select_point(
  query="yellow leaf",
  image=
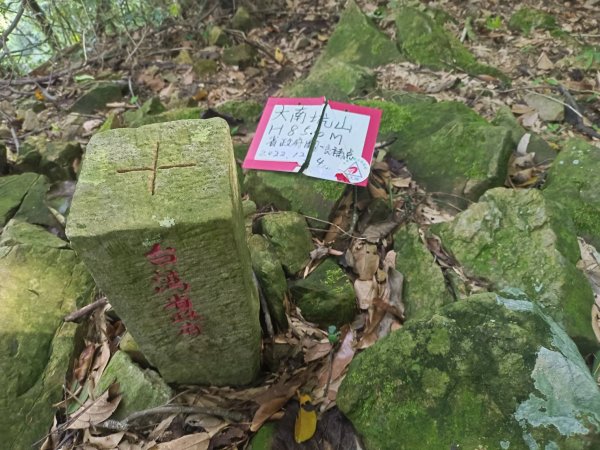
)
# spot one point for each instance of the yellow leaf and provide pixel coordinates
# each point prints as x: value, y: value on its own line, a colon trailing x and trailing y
x: 39, y: 95
x: 306, y: 421
x: 279, y: 57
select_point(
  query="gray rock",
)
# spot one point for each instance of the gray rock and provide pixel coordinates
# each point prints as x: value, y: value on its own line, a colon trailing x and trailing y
x: 242, y: 55
x: 13, y: 189
x: 488, y: 372
x: 97, y: 96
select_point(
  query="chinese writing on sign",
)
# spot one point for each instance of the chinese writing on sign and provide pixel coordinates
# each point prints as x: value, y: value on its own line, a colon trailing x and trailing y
x: 289, y: 133
x: 167, y: 282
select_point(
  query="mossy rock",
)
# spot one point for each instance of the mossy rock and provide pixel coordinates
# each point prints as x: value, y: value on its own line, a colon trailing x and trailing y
x: 13, y: 189
x: 448, y: 147
x: 527, y: 19
x: 136, y: 118
x: 517, y: 238
x: 423, y: 41
x: 488, y: 372
x: 55, y: 159
x: 242, y: 20
x: 97, y: 96
x: 400, y: 97
x: 356, y: 40
x: 39, y: 285
x: 543, y: 151
x: 424, y: 290
x: 271, y: 277
x: 217, y: 36
x: 247, y: 111
x: 288, y: 233
x: 141, y: 388
x: 205, y: 67
x: 336, y: 80
x: 293, y: 192
x: 326, y: 297
x: 35, y: 206
x: 112, y: 121
x: 572, y: 184
x: 242, y: 55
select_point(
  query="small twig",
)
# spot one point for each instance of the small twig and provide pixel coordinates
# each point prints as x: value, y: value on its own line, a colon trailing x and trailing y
x: 126, y: 424
x: 566, y: 105
x: 86, y: 310
x: 15, y: 139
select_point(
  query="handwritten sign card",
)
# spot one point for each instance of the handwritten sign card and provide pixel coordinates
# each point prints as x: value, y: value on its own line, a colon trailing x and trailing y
x: 342, y: 138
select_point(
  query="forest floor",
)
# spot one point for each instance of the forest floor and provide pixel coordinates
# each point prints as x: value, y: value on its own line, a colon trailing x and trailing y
x: 288, y: 41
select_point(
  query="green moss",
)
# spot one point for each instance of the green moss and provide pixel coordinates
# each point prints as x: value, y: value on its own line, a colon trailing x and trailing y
x: 425, y: 42
x: 527, y: 19
x: 466, y: 398
x: 356, y: 40
x: 328, y: 189
x: 336, y: 80
x: 394, y: 117
x: 246, y: 110
x: 439, y: 344
x: 326, y: 296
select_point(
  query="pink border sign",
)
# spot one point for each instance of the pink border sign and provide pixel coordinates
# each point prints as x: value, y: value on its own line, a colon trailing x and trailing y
x: 250, y: 162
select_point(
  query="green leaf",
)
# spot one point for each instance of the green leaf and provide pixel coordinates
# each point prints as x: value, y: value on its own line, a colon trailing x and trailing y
x: 83, y: 77
x: 174, y: 10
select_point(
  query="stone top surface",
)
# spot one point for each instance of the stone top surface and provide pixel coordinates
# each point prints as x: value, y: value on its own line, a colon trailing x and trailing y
x: 167, y: 172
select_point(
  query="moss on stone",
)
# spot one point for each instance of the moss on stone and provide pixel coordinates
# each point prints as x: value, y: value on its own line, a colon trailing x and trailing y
x: 13, y: 189
x: 97, y: 96
x: 291, y: 239
x: 271, y: 277
x: 571, y: 186
x: 248, y: 111
x: 294, y: 192
x: 335, y: 79
x: 527, y: 19
x: 421, y: 40
x: 515, y: 238
x: 326, y: 296
x: 465, y: 398
x: 424, y: 289
x: 141, y: 388
x: 356, y: 40
x: 136, y: 118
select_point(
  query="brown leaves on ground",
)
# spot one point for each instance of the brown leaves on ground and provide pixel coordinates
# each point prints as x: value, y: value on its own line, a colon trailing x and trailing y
x: 95, y: 411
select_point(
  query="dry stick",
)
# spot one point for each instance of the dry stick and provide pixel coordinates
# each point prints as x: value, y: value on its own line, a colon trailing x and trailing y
x: 86, y: 310
x: 125, y: 424
x: 15, y: 139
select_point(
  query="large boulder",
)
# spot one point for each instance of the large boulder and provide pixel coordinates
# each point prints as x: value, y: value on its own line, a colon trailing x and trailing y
x: 40, y: 282
x: 573, y: 183
x: 516, y: 238
x: 488, y: 372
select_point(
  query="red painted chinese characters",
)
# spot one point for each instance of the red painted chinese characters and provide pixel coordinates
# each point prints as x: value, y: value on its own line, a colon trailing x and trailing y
x: 166, y: 280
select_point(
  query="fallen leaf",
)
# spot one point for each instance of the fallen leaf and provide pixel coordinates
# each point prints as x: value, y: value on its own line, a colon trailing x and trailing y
x: 316, y: 350
x: 544, y: 63
x: 103, y: 442
x: 523, y: 144
x: 95, y: 411
x: 279, y: 57
x: 197, y: 441
x: 363, y: 258
x: 341, y: 360
x: 519, y: 108
x: 273, y: 400
x: 84, y: 362
x: 365, y: 291
x: 160, y: 429
x: 306, y: 420
x: 91, y: 124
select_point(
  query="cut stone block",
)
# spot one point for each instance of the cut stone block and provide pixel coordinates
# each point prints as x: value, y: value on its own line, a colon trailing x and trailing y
x: 157, y: 218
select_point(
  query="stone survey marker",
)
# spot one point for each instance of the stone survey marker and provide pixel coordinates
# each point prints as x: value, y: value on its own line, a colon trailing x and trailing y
x: 157, y: 219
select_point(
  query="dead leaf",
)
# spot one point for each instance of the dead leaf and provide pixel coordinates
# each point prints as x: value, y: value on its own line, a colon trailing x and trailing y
x: 160, y: 429
x: 84, y: 362
x: 103, y: 442
x: 529, y: 119
x: 92, y: 124
x: 341, y: 360
x: 93, y: 412
x: 366, y: 291
x: 273, y: 400
x: 363, y: 258
x: 544, y: 63
x: 316, y: 350
x: 197, y: 441
x: 279, y: 56
x: 523, y: 144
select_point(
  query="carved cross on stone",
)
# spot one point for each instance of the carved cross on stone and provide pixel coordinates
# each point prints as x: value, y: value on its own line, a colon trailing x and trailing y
x: 154, y: 168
